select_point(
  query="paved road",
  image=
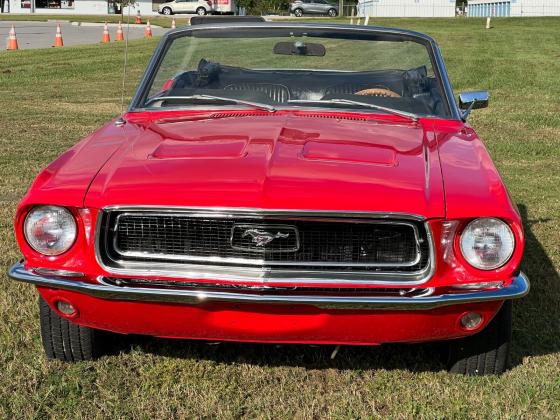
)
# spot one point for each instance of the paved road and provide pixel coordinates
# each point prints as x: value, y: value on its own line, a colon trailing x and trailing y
x: 41, y: 34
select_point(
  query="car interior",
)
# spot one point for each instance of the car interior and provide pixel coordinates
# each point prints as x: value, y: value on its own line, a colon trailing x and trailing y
x: 410, y: 90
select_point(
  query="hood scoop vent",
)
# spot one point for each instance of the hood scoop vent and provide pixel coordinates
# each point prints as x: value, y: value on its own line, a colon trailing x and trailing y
x: 232, y: 148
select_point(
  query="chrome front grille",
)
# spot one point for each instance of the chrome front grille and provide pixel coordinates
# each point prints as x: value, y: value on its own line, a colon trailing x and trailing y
x: 265, y: 244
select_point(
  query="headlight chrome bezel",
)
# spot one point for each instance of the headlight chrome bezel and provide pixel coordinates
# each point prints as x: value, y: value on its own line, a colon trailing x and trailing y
x: 66, y: 220
x: 501, y: 230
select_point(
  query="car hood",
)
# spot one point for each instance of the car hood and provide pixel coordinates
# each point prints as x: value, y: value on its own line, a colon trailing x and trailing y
x: 275, y: 161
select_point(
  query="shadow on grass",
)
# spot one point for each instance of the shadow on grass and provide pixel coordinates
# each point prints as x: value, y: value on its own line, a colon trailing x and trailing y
x: 536, y: 332
x: 414, y: 358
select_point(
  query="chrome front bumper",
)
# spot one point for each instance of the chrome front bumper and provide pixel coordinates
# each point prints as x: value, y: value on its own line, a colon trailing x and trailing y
x: 517, y: 289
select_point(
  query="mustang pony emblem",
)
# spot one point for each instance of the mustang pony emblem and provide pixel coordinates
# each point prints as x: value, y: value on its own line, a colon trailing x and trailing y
x: 262, y: 237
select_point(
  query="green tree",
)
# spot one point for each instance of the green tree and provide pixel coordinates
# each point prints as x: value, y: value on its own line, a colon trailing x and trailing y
x: 261, y: 7
x: 123, y: 4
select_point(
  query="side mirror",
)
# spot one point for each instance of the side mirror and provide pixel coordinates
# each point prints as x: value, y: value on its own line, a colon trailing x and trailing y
x: 472, y: 100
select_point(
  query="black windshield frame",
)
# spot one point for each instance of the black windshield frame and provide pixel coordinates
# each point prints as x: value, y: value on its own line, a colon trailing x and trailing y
x: 243, y: 30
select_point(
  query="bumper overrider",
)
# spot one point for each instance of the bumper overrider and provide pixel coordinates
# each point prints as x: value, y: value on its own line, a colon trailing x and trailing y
x: 518, y: 288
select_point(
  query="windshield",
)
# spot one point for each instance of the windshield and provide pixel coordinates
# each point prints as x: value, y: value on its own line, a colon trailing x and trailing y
x: 274, y: 68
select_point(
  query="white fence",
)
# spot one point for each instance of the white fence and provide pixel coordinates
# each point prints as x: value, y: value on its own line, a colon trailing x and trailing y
x: 406, y: 8
x: 514, y: 8
x: 449, y: 8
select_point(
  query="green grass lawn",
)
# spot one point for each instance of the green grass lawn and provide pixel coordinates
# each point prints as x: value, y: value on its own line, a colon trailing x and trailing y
x: 50, y: 98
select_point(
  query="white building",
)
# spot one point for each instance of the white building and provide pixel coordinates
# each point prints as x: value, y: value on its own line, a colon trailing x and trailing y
x: 407, y: 8
x: 516, y: 8
x: 81, y: 7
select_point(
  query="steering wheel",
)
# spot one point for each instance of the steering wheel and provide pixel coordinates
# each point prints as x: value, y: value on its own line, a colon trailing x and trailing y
x: 378, y: 92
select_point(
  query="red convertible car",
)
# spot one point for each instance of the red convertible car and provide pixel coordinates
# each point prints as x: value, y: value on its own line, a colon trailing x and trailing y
x: 283, y: 183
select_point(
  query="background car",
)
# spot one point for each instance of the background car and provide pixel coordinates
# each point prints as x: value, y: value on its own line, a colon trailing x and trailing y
x: 224, y: 7
x: 200, y: 7
x: 313, y: 7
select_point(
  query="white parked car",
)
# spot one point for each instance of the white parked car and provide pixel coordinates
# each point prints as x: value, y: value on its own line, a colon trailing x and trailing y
x: 200, y: 7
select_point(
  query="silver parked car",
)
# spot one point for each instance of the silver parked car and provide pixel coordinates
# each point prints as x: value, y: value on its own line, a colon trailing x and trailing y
x: 313, y: 7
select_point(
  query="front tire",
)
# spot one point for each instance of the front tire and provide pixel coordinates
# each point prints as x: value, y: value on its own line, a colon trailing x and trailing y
x: 66, y: 341
x: 201, y: 11
x: 332, y: 13
x: 167, y: 11
x: 298, y: 13
x: 485, y: 353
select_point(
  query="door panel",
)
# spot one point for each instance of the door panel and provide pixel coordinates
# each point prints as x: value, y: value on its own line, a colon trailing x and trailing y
x: 180, y: 6
x: 193, y: 5
x: 314, y: 7
x: 320, y: 6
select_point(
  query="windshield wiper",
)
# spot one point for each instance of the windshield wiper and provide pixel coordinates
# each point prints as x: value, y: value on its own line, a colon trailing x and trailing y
x: 404, y: 114
x: 210, y: 98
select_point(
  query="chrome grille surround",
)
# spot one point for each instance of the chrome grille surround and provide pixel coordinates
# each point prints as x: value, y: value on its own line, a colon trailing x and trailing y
x: 243, y: 270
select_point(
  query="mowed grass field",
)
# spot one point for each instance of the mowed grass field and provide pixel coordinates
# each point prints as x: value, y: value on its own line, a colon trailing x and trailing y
x: 51, y: 98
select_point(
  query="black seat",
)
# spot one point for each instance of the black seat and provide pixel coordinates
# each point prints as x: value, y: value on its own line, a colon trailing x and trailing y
x: 277, y: 93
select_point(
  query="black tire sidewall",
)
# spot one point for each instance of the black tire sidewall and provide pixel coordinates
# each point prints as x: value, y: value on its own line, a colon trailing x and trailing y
x: 67, y: 341
x: 487, y: 351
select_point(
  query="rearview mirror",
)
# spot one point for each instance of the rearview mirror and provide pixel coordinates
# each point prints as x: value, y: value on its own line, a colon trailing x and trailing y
x: 300, y: 48
x: 472, y: 100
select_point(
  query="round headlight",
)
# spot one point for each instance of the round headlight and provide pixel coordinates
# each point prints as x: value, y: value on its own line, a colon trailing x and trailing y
x: 487, y: 243
x: 50, y: 230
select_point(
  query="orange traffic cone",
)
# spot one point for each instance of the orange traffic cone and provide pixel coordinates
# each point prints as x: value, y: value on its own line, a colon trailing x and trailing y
x: 58, y: 37
x: 120, y: 35
x: 106, y: 36
x: 138, y: 18
x: 148, y: 30
x: 12, y: 40
x: 173, y: 25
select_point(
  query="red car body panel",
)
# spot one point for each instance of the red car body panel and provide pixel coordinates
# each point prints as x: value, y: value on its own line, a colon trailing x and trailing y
x: 436, y: 169
x: 271, y: 323
x: 66, y: 180
x: 284, y: 160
